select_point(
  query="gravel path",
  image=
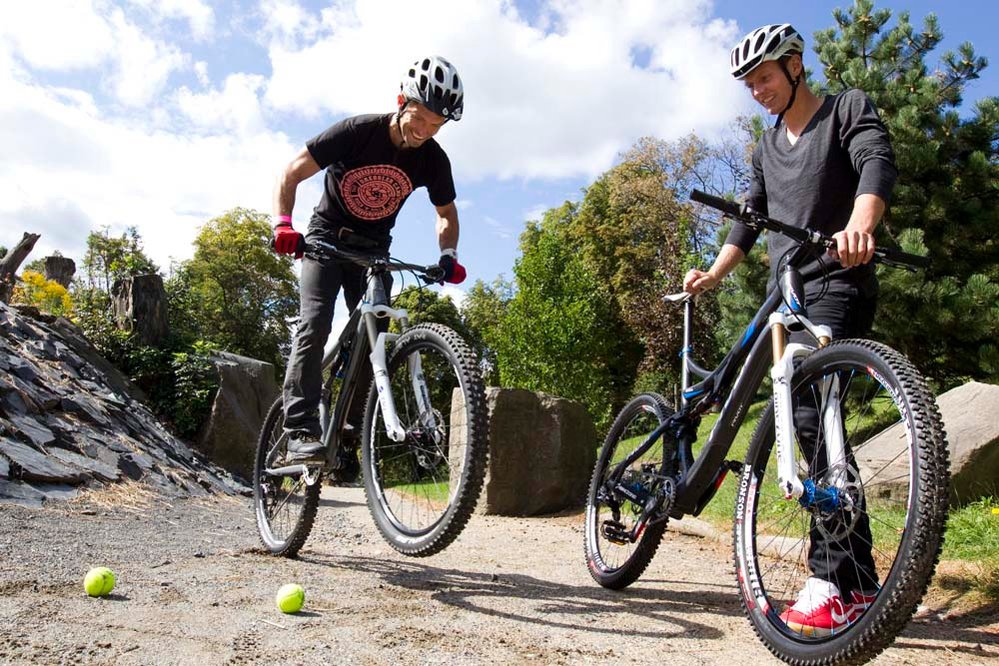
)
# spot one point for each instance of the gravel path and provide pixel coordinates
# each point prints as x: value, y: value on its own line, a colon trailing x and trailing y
x: 194, y: 588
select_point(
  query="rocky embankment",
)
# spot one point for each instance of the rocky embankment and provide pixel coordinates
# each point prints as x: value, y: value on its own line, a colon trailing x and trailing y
x: 70, y: 420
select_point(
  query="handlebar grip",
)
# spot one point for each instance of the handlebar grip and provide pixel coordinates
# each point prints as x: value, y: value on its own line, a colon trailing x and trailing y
x: 301, y: 246
x: 724, y: 205
x: 892, y: 255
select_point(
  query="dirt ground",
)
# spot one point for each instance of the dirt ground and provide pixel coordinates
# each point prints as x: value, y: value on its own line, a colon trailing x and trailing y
x: 194, y: 588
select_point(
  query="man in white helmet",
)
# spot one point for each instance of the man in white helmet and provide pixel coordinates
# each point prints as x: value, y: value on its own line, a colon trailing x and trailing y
x: 827, y: 164
x: 372, y: 163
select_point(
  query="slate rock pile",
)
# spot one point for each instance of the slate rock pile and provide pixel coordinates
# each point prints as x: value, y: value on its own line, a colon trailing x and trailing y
x: 70, y: 420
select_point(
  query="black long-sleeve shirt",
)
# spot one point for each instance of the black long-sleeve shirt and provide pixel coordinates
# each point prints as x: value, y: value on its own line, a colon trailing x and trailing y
x: 843, y: 152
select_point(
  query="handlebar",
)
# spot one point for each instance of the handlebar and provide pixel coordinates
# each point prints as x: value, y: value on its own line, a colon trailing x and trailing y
x: 743, y: 213
x: 322, y: 251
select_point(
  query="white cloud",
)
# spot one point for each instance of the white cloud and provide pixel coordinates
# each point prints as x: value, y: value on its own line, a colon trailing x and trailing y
x: 538, y: 104
x: 201, y: 71
x: 57, y: 35
x: 455, y: 293
x: 72, y: 36
x: 198, y: 15
x: 89, y: 171
x: 285, y: 21
x: 144, y: 64
x: 535, y: 213
x: 235, y: 107
x: 499, y: 229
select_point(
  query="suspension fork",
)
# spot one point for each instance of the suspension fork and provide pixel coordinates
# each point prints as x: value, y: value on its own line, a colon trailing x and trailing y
x: 782, y: 374
x: 379, y: 367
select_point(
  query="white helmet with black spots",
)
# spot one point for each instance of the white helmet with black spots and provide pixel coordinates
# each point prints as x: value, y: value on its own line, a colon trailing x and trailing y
x: 434, y: 83
x: 770, y: 42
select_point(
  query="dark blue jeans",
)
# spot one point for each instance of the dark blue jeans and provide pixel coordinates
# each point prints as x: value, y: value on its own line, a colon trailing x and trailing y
x: 848, y: 562
x: 320, y: 284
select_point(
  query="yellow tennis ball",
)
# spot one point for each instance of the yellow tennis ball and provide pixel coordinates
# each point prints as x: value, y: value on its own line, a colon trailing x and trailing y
x: 290, y: 598
x: 99, y: 582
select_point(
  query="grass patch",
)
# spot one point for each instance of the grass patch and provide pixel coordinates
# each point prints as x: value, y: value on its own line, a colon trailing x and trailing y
x: 433, y: 491
x: 973, y: 536
x: 721, y: 509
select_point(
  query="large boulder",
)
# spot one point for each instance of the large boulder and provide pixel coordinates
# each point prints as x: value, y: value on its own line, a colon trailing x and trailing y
x: 246, y: 390
x: 969, y: 416
x: 541, y: 453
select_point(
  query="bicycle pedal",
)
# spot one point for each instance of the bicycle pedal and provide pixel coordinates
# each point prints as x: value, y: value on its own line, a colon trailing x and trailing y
x: 615, y: 532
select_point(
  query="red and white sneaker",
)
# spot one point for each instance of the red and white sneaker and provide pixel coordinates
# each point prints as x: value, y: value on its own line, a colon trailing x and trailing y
x: 819, y: 610
x: 860, y: 602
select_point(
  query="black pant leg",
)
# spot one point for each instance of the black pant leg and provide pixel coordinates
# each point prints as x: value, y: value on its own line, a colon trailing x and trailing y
x: 848, y: 562
x: 319, y: 285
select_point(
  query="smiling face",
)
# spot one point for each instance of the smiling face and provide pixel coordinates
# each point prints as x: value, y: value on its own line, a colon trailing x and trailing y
x: 769, y: 86
x: 418, y: 123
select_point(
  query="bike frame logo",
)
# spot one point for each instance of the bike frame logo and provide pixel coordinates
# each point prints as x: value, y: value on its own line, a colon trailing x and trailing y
x: 375, y: 192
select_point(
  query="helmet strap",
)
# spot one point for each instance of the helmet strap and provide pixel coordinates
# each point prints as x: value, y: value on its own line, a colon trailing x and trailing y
x: 794, y: 89
x: 403, y: 102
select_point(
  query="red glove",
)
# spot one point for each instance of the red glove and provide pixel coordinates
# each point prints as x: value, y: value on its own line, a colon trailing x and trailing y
x: 453, y: 271
x: 286, y: 240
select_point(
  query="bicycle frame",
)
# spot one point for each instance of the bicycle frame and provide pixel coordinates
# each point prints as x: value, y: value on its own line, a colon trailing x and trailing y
x: 762, y: 345
x: 362, y: 338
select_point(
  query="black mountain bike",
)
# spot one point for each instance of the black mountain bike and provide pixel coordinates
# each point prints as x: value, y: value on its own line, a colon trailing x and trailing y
x: 424, y: 440
x: 861, y: 463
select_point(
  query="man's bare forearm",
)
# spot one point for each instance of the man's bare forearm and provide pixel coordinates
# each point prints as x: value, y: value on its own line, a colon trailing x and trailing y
x: 726, y: 261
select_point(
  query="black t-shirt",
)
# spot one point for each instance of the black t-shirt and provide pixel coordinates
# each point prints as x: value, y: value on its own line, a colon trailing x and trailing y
x: 368, y: 178
x: 843, y: 152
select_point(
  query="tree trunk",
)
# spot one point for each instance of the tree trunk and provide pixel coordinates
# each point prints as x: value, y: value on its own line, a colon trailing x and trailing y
x: 10, y: 263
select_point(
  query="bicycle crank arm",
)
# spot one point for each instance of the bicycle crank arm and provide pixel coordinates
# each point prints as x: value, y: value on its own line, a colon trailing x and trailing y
x: 310, y: 476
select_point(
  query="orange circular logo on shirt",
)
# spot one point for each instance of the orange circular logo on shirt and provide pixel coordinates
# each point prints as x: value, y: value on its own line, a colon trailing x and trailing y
x: 374, y: 192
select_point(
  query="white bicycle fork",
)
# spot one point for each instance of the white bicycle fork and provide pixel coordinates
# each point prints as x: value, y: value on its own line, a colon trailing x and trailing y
x: 379, y: 366
x: 830, y: 418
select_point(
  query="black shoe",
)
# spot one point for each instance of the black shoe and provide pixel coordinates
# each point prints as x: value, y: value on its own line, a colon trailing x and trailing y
x: 305, y: 448
x: 348, y: 468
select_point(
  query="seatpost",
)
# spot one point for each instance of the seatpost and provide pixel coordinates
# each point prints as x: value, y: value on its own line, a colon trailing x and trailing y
x: 688, y: 315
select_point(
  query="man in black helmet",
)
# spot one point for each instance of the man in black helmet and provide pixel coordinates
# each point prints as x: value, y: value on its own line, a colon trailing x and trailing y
x: 373, y: 163
x: 827, y: 164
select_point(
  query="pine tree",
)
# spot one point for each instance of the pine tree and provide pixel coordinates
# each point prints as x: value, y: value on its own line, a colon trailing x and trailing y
x: 945, y: 201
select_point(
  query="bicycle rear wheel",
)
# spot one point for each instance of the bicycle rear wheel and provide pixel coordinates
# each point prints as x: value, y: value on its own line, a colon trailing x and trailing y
x: 878, y: 530
x: 422, y: 490
x: 613, y: 560
x: 285, y: 505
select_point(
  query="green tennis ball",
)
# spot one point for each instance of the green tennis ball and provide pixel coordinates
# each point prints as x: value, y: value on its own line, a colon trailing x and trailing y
x: 290, y: 598
x: 99, y: 582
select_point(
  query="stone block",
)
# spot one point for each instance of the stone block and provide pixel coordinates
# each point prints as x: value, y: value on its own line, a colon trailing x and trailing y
x: 541, y: 452
x: 969, y: 416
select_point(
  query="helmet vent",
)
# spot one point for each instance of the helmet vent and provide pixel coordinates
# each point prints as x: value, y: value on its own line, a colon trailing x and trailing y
x: 759, y: 41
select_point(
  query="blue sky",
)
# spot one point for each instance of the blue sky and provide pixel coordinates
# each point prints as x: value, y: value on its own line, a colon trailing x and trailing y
x: 164, y: 113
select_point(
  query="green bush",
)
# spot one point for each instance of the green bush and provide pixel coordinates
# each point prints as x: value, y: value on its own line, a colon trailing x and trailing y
x: 195, y: 385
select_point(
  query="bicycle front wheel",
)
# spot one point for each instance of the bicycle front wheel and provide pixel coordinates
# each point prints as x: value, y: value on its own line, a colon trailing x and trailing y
x: 871, y: 521
x: 285, y: 505
x: 614, y: 558
x: 422, y: 490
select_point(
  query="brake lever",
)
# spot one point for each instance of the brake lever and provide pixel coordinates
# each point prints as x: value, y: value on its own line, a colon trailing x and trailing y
x: 434, y: 274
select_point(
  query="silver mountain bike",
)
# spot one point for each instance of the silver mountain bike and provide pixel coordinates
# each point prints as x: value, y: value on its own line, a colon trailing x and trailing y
x: 425, y: 433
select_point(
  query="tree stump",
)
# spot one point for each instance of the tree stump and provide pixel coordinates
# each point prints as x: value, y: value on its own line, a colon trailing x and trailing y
x: 12, y: 261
